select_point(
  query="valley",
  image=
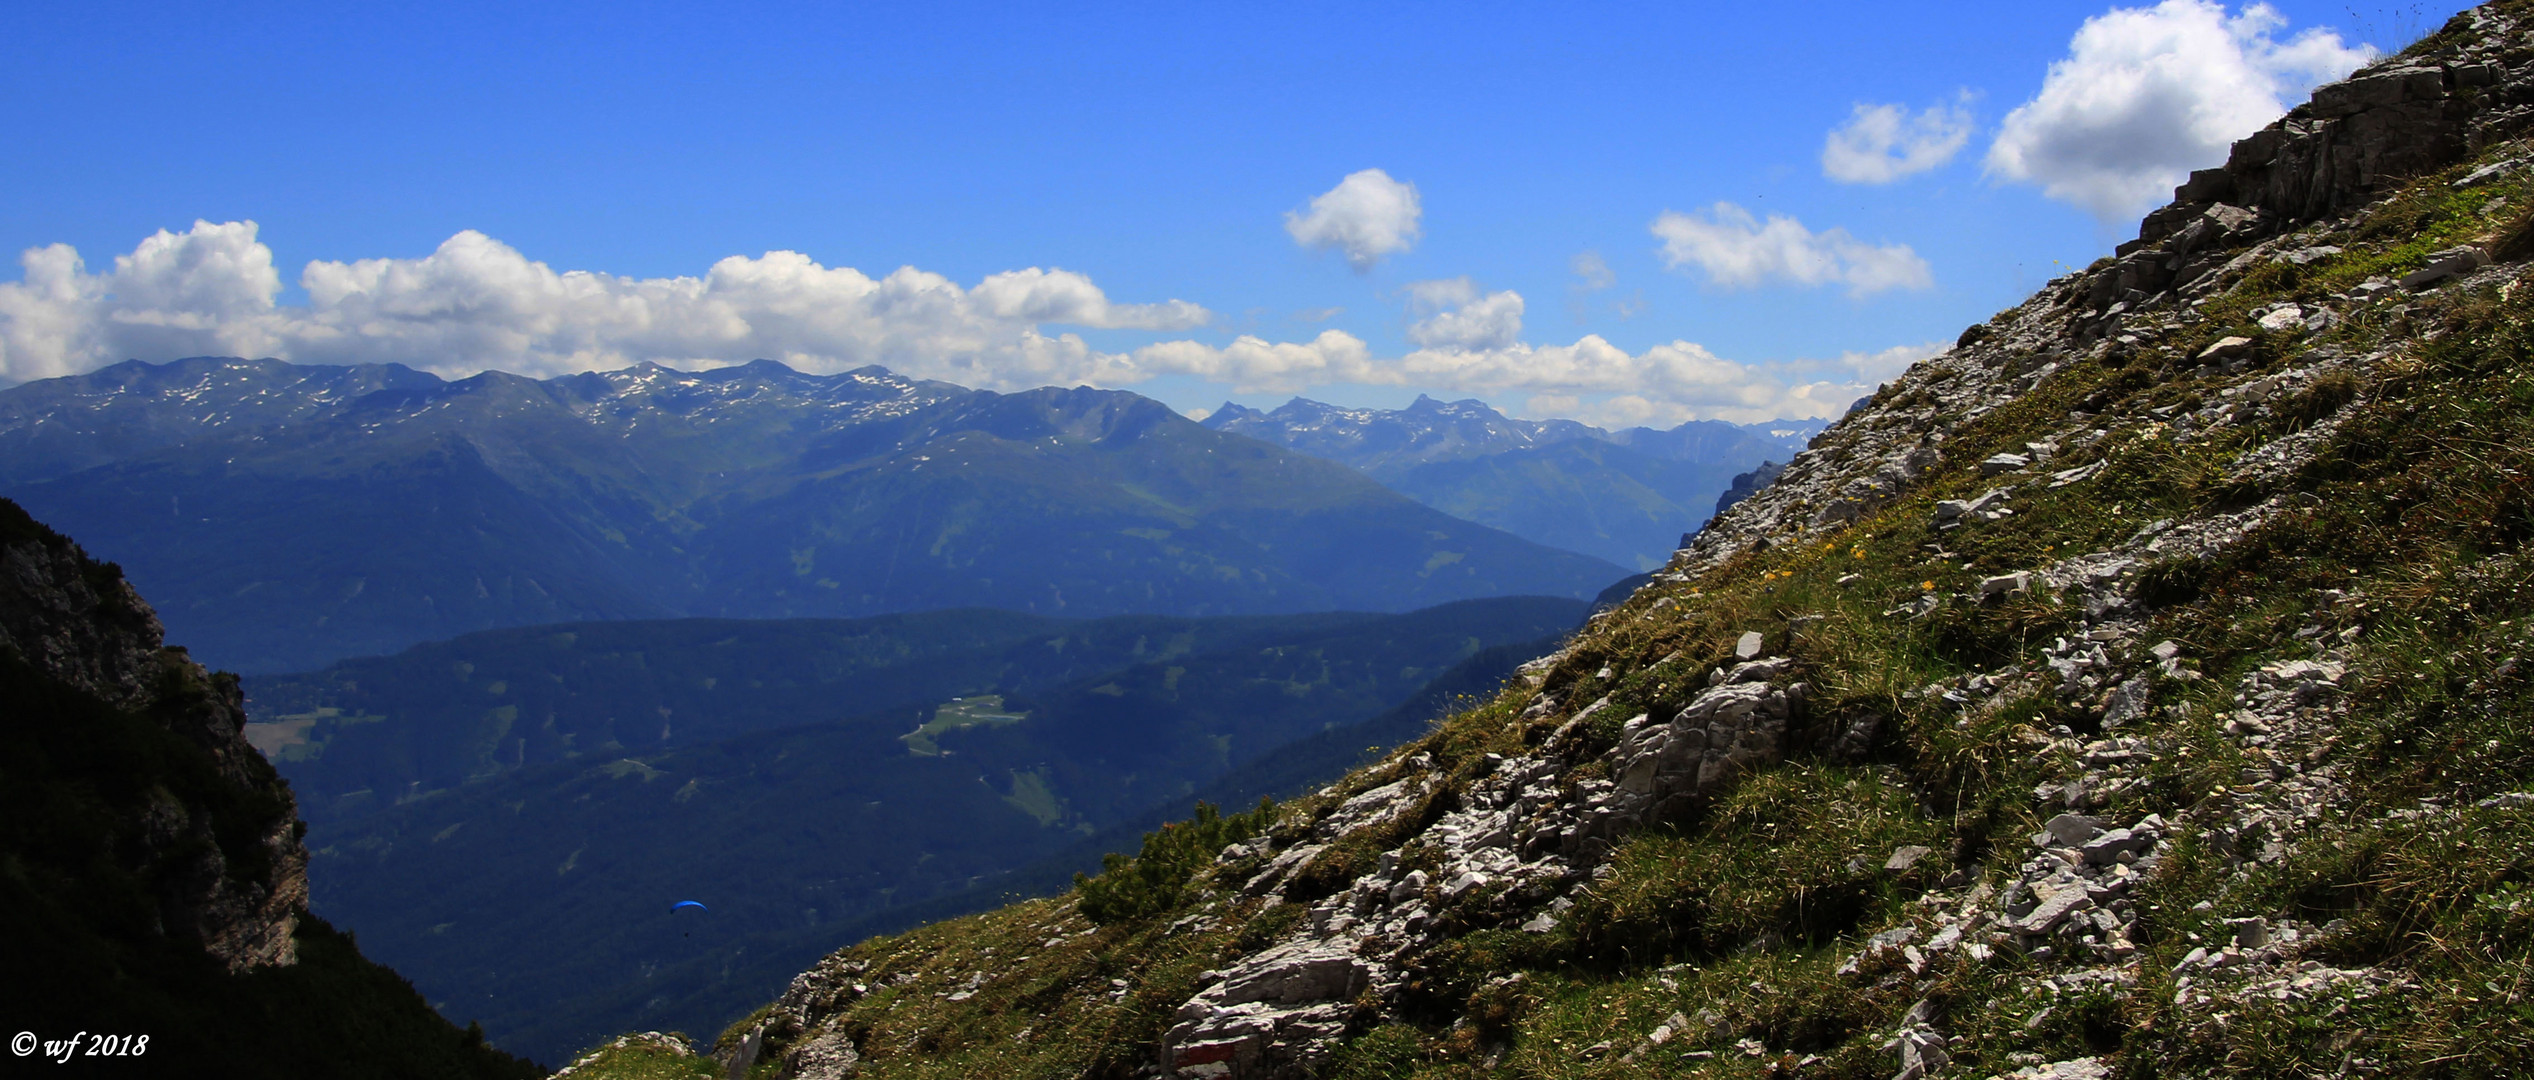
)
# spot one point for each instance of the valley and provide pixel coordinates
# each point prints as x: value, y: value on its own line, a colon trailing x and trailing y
x: 555, y: 788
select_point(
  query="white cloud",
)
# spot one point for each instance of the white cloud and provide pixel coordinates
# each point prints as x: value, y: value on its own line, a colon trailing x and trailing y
x: 208, y: 289
x: 1425, y: 297
x: 476, y: 303
x: 1591, y: 271
x: 1367, y: 215
x: 1881, y: 366
x: 1256, y: 365
x: 1592, y: 275
x: 1593, y: 379
x: 1455, y: 315
x: 1736, y: 249
x: 1883, y: 143
x: 2145, y: 95
x: 1062, y: 296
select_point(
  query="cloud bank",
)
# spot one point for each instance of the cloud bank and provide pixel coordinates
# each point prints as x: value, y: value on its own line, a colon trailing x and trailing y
x: 476, y: 304
x: 1367, y: 215
x: 1738, y: 250
x: 1883, y: 143
x: 2146, y: 95
x: 1467, y: 338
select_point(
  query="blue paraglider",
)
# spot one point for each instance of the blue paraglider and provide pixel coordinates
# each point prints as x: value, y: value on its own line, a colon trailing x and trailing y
x: 682, y: 905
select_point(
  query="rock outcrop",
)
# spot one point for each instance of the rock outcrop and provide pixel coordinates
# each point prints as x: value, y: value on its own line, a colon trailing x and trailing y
x: 153, y: 881
x: 80, y: 623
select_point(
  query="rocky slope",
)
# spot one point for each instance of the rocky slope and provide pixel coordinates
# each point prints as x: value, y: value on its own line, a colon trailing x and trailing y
x: 152, y: 878
x: 2135, y: 689
x: 82, y: 627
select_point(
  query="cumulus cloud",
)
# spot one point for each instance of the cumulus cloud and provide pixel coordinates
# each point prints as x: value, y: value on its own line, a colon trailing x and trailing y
x: 1255, y: 365
x: 476, y: 303
x: 1367, y: 215
x: 2145, y: 95
x: 1591, y: 380
x: 1061, y: 296
x: 1881, y: 366
x: 1667, y: 384
x: 1454, y: 314
x: 1736, y: 249
x: 208, y: 289
x: 1883, y: 143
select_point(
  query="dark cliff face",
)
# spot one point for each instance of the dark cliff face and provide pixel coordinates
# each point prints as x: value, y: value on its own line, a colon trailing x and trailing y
x: 152, y: 878
x: 224, y: 868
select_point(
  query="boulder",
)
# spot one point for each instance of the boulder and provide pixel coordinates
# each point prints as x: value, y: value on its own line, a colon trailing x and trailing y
x: 1996, y: 464
x: 2446, y: 264
x: 2070, y: 830
x: 2225, y: 348
x: 1749, y: 646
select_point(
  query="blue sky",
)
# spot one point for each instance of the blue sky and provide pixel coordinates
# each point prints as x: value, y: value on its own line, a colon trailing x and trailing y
x: 1153, y: 153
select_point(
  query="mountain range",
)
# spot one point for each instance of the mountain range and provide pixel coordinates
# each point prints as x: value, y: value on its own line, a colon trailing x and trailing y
x: 1626, y: 496
x: 286, y: 516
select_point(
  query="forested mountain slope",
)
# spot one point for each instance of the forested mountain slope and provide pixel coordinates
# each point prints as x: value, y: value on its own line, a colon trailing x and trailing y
x: 822, y: 774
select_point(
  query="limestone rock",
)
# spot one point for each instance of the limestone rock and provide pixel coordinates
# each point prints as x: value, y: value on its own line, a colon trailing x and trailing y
x: 2446, y: 264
